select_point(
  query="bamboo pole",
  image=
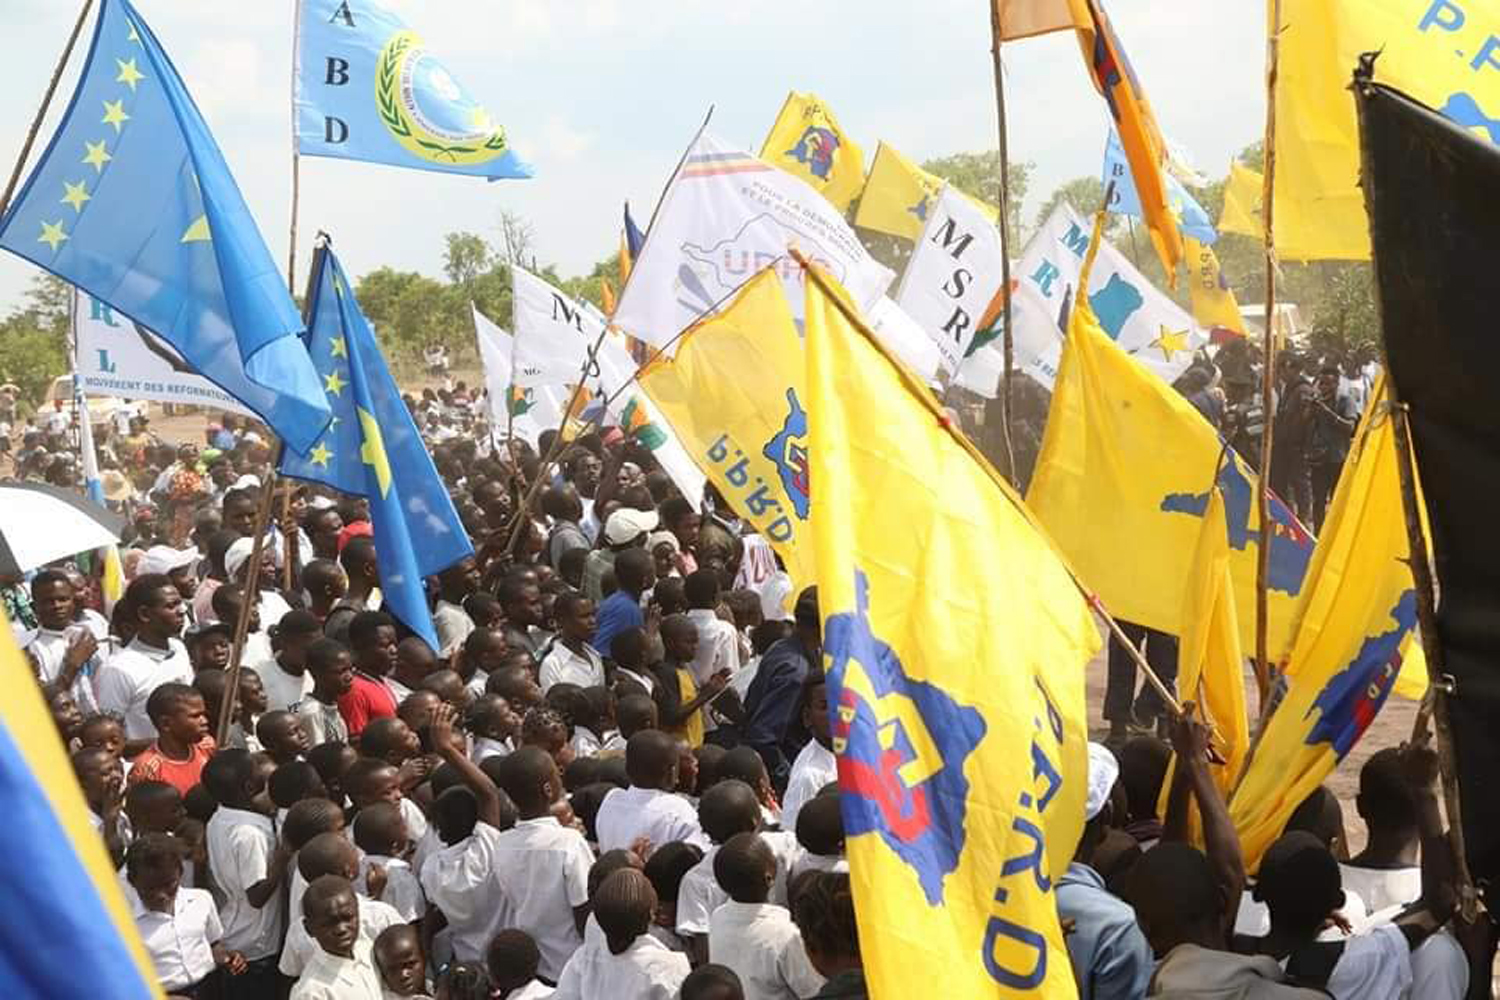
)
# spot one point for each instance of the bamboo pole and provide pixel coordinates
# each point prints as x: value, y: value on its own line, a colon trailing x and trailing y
x: 41, y: 112
x: 249, y: 599
x: 1263, y: 667
x: 1007, y: 340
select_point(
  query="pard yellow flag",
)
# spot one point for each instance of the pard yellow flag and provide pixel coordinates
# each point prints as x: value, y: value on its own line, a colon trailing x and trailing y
x: 1444, y: 53
x: 955, y: 642
x: 1356, y: 630
x: 1214, y: 304
x: 733, y: 394
x: 1244, y: 194
x: 806, y: 142
x: 1122, y: 483
x: 1210, y: 664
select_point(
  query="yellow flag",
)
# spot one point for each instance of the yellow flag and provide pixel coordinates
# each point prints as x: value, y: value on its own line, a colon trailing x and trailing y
x: 1210, y: 664
x: 734, y: 394
x: 1244, y: 194
x: 1357, y: 626
x: 1016, y: 19
x: 1445, y: 53
x: 1214, y: 304
x: 806, y: 141
x: 1122, y: 483
x: 898, y: 195
x: 955, y: 642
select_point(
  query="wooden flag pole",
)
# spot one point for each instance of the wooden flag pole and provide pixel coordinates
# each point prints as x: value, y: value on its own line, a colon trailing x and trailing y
x: 1008, y: 379
x: 1263, y: 667
x: 291, y: 253
x: 41, y: 112
x: 1439, y: 684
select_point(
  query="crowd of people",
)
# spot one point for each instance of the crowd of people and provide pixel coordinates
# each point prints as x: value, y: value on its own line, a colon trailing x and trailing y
x: 613, y: 778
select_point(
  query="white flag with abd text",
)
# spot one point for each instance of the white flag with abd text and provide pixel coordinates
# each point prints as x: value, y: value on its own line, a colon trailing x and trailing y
x: 955, y: 271
x: 116, y: 356
x: 725, y: 216
x: 532, y: 410
x: 554, y: 332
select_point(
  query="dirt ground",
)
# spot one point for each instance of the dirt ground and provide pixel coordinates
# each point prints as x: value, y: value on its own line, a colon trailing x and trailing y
x: 1391, y: 727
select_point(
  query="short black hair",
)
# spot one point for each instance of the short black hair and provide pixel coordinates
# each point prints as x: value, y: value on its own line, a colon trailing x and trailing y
x: 512, y: 956
x: 712, y: 982
x: 292, y: 782
x: 308, y: 818
x: 820, y: 826
x: 701, y: 588
x: 669, y: 863
x: 153, y: 851
x: 744, y: 866
x: 167, y: 697
x: 728, y: 808
x: 364, y: 625
x: 1385, y: 800
x: 227, y: 774
x: 47, y: 576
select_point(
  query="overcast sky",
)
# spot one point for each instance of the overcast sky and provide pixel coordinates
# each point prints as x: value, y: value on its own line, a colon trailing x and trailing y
x: 603, y: 95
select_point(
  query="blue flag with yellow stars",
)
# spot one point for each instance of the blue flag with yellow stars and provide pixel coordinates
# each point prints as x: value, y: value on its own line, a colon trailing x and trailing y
x: 133, y: 203
x: 368, y: 88
x: 372, y: 448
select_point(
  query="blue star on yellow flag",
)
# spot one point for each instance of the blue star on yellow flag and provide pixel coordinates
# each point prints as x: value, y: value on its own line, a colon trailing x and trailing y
x: 133, y: 203
x: 372, y: 448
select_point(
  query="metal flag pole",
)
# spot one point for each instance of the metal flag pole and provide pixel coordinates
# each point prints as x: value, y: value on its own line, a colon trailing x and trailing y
x: 1263, y: 667
x: 1008, y: 379
x: 41, y: 112
x: 291, y: 254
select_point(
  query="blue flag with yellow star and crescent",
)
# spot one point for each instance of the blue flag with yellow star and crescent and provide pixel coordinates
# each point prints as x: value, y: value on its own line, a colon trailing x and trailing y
x: 373, y: 449
x: 368, y: 88
x: 133, y: 202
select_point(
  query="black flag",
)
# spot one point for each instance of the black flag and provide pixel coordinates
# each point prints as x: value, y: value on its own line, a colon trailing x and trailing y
x: 1433, y: 194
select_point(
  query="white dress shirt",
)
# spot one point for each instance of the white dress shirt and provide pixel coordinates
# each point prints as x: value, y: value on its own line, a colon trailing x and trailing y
x: 534, y: 990
x: 460, y: 880
x: 543, y: 868
x: 403, y: 892
x: 718, y: 645
x: 647, y: 970
x: 483, y: 748
x: 127, y: 679
x: 323, y: 722
x: 561, y: 664
x: 699, y: 894
x: 422, y: 834
x: 332, y: 977
x: 301, y: 949
x: 240, y: 845
x: 629, y: 813
x: 453, y: 626
x: 764, y: 948
x: 814, y: 767
x: 180, y: 943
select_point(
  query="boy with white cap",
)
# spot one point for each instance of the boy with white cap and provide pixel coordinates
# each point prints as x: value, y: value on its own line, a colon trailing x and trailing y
x: 1109, y: 953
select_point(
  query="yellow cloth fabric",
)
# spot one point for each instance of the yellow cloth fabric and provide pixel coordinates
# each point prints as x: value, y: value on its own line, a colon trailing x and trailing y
x: 1445, y: 54
x: 806, y: 142
x: 1214, y: 304
x: 1244, y: 196
x: 1017, y: 19
x: 692, y: 729
x: 734, y: 396
x: 1122, y: 483
x: 1356, y: 624
x: 898, y: 195
x: 954, y: 642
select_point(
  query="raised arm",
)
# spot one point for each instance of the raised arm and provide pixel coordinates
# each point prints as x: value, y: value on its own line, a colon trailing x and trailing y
x: 1221, y: 843
x: 451, y: 749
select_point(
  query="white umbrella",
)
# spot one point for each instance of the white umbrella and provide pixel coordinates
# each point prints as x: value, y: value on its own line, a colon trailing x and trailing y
x: 40, y: 523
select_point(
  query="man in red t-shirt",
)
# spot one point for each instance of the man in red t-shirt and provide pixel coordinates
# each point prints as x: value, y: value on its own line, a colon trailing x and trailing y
x: 372, y: 636
x: 182, y: 744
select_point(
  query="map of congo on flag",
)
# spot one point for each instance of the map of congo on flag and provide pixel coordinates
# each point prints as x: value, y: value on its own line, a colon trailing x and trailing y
x: 725, y: 216
x: 368, y: 88
x: 957, y: 713
x: 1355, y: 640
x: 1141, y: 319
x: 1122, y: 483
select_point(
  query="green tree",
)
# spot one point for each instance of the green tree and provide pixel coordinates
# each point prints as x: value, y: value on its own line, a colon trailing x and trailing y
x: 466, y: 257
x: 978, y: 174
x: 34, y: 338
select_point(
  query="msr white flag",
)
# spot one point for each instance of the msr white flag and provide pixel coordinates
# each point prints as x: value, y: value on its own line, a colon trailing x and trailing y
x: 953, y: 275
x: 726, y: 216
x: 554, y: 332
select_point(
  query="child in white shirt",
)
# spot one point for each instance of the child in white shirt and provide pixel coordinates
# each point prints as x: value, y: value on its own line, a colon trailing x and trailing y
x: 512, y: 962
x: 380, y: 832
x: 624, y: 962
x: 179, y: 927
x: 755, y: 938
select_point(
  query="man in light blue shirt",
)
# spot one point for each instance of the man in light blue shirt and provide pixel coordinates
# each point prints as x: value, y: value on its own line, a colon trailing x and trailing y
x: 1110, y: 956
